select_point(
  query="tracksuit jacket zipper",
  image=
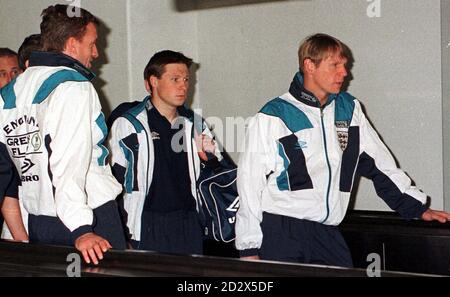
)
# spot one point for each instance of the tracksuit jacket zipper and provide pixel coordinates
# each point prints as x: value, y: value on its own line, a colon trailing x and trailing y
x: 328, y: 164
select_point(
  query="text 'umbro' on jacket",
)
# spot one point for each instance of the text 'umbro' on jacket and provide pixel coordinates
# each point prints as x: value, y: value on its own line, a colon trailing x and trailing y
x: 53, y: 129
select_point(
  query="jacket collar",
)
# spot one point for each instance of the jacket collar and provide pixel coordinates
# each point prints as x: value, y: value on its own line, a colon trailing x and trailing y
x: 303, y: 95
x: 54, y: 59
x: 183, y: 111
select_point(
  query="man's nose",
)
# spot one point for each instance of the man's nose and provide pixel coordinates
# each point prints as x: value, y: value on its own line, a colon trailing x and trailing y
x: 95, y: 52
x: 9, y: 77
x: 184, y: 86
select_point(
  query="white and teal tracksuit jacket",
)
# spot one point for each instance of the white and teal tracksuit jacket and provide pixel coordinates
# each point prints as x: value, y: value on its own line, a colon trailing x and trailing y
x: 133, y: 157
x: 53, y: 129
x: 300, y: 161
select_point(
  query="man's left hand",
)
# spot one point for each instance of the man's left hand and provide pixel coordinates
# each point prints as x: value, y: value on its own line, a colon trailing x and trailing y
x: 438, y: 215
x: 205, y: 144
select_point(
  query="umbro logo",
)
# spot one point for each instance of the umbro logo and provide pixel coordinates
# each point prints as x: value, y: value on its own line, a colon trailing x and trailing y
x: 301, y: 145
x: 308, y: 97
x: 27, y: 165
x: 234, y: 206
x: 155, y: 135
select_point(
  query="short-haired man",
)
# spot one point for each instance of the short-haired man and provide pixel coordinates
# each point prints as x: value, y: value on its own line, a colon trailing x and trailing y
x: 302, y: 151
x: 157, y: 167
x: 54, y: 130
x: 9, y: 67
x: 17, y: 231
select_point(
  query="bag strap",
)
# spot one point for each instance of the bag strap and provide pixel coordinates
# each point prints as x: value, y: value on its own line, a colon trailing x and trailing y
x: 201, y: 214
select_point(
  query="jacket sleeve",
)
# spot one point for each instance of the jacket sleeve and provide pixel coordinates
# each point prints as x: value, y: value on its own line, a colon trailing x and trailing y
x: 119, y: 151
x: 101, y: 186
x: 12, y: 190
x: 69, y: 144
x: 253, y: 168
x: 9, y: 177
x: 5, y: 161
x: 391, y: 183
x: 123, y: 168
x: 214, y: 159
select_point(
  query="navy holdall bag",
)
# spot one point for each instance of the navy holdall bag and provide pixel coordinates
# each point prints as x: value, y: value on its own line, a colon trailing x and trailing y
x: 219, y: 201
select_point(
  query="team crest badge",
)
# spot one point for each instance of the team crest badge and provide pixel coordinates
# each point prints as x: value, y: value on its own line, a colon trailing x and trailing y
x: 342, y: 133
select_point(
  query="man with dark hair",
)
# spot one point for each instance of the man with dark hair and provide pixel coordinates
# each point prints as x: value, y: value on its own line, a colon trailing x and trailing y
x: 30, y: 44
x: 302, y: 151
x: 57, y: 28
x: 9, y: 67
x: 12, y: 208
x: 156, y: 156
x: 53, y: 129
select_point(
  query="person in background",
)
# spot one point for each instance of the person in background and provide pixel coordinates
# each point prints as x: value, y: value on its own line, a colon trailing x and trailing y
x: 19, y: 231
x: 9, y: 66
x: 9, y: 69
x: 30, y: 44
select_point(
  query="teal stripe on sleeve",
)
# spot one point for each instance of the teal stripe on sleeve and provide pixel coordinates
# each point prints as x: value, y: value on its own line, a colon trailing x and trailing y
x: 100, y: 121
x: 134, y: 121
x: 54, y: 80
x: 344, y: 107
x: 8, y: 95
x: 128, y: 181
x: 294, y: 118
x: 283, y: 178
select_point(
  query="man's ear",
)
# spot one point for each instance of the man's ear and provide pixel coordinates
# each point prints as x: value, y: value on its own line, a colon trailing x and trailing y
x: 309, y: 66
x: 147, y: 86
x: 153, y: 82
x: 71, y: 48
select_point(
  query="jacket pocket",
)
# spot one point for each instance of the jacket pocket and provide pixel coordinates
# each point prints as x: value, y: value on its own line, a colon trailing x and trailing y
x: 295, y: 175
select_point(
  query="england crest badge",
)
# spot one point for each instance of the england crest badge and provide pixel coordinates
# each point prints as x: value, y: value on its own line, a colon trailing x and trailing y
x: 342, y: 133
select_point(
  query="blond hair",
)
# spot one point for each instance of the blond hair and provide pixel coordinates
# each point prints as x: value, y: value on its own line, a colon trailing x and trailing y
x: 318, y: 47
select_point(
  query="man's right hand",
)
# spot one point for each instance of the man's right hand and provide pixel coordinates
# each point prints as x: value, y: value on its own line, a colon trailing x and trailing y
x: 92, y: 247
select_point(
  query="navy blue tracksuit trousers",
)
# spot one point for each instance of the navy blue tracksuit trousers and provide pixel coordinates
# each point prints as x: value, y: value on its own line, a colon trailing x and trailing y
x: 51, y: 230
x: 301, y: 241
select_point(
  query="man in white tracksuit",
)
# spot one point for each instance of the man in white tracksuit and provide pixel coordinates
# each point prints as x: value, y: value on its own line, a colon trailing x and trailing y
x: 53, y: 129
x: 155, y: 155
x: 296, y: 173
